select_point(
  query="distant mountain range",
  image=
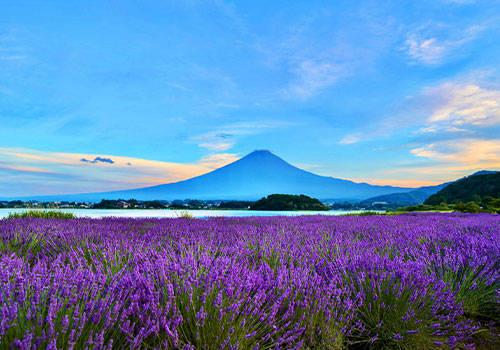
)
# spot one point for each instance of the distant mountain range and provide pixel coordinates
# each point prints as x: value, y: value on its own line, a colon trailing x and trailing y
x: 418, y: 196
x: 254, y: 176
x: 469, y: 189
x: 408, y: 198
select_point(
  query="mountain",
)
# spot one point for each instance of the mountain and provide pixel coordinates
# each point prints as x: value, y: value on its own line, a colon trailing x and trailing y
x: 252, y: 177
x: 482, y: 184
x: 417, y: 196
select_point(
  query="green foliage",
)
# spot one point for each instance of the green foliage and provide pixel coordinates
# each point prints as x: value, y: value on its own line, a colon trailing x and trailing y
x: 131, y: 203
x: 477, y: 292
x: 42, y: 214
x: 488, y: 205
x: 470, y: 207
x: 367, y: 213
x: 470, y: 189
x: 235, y: 205
x: 288, y: 202
x: 393, y: 316
x: 184, y: 214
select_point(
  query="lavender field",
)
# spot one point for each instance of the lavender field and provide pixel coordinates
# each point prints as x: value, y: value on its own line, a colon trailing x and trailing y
x: 420, y: 281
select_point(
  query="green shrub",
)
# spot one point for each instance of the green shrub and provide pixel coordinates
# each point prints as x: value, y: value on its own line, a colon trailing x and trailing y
x: 42, y: 214
x: 184, y: 214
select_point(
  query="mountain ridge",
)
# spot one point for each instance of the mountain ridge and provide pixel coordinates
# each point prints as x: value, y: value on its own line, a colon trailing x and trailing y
x: 420, y: 195
x: 471, y: 188
x: 251, y: 177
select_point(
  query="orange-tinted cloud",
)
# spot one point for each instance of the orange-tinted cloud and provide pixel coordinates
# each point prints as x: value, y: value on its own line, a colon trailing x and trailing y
x: 123, y: 173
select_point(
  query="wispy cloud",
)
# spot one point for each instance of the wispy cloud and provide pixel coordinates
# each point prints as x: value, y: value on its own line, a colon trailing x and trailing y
x: 226, y: 136
x: 11, y: 49
x: 216, y: 161
x: 428, y: 51
x: 463, y: 154
x: 461, y: 2
x: 216, y: 146
x: 437, y: 43
x: 351, y: 138
x: 74, y: 176
x: 464, y: 104
x: 439, y: 162
x: 312, y: 75
x: 468, y: 105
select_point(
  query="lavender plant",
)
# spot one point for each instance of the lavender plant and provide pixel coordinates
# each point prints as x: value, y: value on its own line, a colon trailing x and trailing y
x: 314, y: 282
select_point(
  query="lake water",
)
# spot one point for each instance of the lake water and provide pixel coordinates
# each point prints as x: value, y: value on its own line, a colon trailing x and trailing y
x: 166, y: 213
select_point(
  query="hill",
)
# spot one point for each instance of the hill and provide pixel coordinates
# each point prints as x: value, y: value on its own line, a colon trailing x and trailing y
x: 470, y: 189
x: 249, y: 178
x: 288, y: 202
x: 407, y: 198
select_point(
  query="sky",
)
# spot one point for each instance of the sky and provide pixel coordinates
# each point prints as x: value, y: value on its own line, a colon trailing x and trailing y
x: 109, y: 95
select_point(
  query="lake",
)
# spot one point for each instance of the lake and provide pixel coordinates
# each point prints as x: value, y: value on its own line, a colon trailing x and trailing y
x: 166, y: 213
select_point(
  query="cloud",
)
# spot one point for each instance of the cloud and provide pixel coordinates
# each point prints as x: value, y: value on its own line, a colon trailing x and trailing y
x: 439, y: 162
x: 216, y: 146
x: 427, y: 51
x: 398, y: 182
x: 467, y: 105
x: 351, y: 138
x: 25, y: 169
x: 226, y: 136
x: 216, y: 161
x: 227, y: 105
x: 462, y: 104
x: 437, y: 43
x: 11, y: 48
x: 59, y: 173
x: 461, y: 2
x: 98, y: 160
x: 13, y: 57
x: 463, y: 154
x: 313, y: 75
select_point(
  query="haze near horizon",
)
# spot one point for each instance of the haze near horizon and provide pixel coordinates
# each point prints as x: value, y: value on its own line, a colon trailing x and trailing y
x: 99, y: 97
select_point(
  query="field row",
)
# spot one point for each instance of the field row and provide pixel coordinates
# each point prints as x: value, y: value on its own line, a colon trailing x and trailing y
x: 421, y: 281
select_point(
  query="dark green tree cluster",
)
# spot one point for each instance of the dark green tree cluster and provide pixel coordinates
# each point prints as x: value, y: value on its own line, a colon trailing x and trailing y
x: 235, y: 205
x: 288, y: 202
x: 131, y: 203
x: 471, y: 189
x: 487, y: 204
x: 474, y: 194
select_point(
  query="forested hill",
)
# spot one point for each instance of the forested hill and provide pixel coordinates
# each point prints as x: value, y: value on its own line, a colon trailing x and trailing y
x: 471, y: 189
x: 288, y: 202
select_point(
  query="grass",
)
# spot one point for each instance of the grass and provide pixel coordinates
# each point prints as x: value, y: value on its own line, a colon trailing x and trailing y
x: 42, y: 214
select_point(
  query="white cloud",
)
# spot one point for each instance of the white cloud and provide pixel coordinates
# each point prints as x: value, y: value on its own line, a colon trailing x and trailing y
x: 461, y: 2
x: 13, y: 57
x: 314, y: 75
x: 225, y: 137
x: 66, y: 173
x: 217, y: 146
x: 457, y: 105
x: 463, y: 154
x: 427, y: 51
x: 216, y: 161
x: 351, y: 138
x: 436, y: 43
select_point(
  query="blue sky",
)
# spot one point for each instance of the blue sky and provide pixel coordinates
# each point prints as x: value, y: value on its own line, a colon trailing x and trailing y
x: 387, y: 92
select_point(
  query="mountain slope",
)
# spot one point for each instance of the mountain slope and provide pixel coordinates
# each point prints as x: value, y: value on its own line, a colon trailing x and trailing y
x: 465, y: 190
x: 256, y: 175
x: 417, y: 196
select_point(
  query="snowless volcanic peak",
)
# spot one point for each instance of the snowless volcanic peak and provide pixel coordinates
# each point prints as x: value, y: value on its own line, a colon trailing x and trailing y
x: 254, y: 176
